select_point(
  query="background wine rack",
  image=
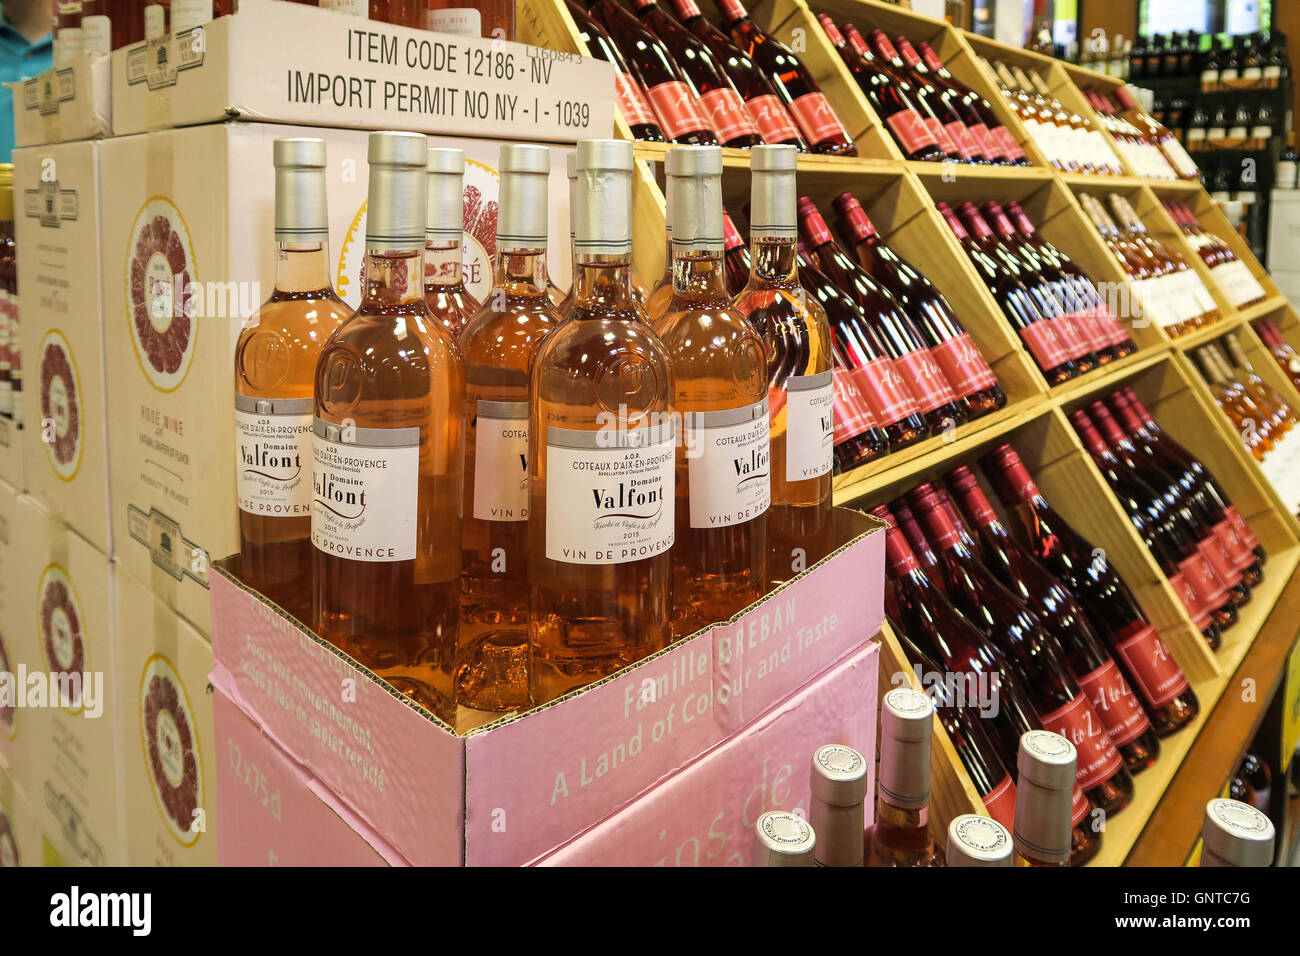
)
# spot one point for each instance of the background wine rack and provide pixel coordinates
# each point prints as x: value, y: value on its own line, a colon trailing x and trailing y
x: 900, y: 198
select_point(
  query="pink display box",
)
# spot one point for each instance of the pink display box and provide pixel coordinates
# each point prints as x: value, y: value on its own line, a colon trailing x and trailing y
x: 705, y: 815
x: 276, y: 814
x: 514, y: 790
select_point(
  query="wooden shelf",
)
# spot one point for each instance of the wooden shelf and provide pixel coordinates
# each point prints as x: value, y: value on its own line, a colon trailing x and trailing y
x: 1175, y: 822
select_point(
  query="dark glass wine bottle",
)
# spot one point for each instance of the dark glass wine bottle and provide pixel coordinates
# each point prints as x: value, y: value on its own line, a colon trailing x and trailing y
x: 736, y: 257
x: 821, y: 127
x: 671, y: 94
x: 632, y: 103
x: 953, y: 349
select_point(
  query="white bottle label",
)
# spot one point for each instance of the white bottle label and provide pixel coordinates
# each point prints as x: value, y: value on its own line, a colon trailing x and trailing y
x: 462, y: 21
x: 273, y: 439
x: 729, y: 460
x: 97, y: 34
x: 188, y: 14
x: 365, y: 492
x: 501, y: 461
x: 355, y: 8
x: 610, y: 494
x: 809, y: 426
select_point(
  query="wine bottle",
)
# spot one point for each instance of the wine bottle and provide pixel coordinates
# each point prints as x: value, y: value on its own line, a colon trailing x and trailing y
x: 890, y: 101
x: 763, y: 104
x: 499, y: 344
x: 955, y: 352
x: 1083, y: 338
x: 738, y: 260
x: 1047, y: 763
x: 720, y: 381
x: 1111, y: 332
x: 782, y: 838
x: 900, y: 836
x: 601, y: 589
x: 1134, y: 415
x: 1055, y: 298
x: 1019, y: 306
x: 1099, y: 675
x: 838, y: 782
x: 976, y: 840
x: 389, y: 454
x: 800, y: 371
x: 671, y: 93
x: 1235, y: 834
x: 445, y: 295
x: 718, y: 98
x: 966, y: 126
x: 1189, y: 573
x: 275, y: 370
x: 1283, y: 352
x: 1002, y: 144
x: 935, y: 105
x: 628, y: 87
x: 1143, y: 658
x: 908, y: 350
x: 821, y: 128
x: 1039, y: 658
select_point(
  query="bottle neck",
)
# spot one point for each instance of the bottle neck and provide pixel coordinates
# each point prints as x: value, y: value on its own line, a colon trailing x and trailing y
x: 775, y: 262
x: 393, y: 277
x: 443, y: 262
x: 699, y: 274
x: 521, y: 271
x: 603, y: 284
x: 301, y: 267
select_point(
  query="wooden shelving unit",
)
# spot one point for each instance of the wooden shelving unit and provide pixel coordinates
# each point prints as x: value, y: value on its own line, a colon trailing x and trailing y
x: 1160, y: 824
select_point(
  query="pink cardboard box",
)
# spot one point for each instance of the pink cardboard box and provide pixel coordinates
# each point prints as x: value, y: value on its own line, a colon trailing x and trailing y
x: 278, y: 815
x: 514, y: 790
x: 705, y: 814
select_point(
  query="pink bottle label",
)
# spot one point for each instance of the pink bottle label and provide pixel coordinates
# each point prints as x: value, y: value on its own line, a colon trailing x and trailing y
x: 963, y: 365
x: 910, y: 131
x: 1201, y: 576
x: 941, y: 135
x: 1078, y: 723
x: 1243, y: 529
x: 817, y: 119
x: 1115, y: 703
x: 984, y: 139
x: 1071, y: 339
x: 770, y: 116
x: 727, y: 114
x: 852, y: 413
x: 961, y: 135
x: 885, y: 391
x: 1112, y: 328
x: 1089, y: 326
x: 676, y: 108
x: 1216, y: 552
x: 1240, y: 555
x: 925, y: 379
x: 1199, y: 614
x: 1044, y: 344
x: 1155, y: 672
x: 631, y: 103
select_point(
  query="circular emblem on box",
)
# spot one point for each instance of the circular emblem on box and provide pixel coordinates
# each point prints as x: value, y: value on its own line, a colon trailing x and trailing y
x: 63, y: 643
x: 478, y: 252
x: 61, y: 429
x: 161, y: 305
x: 171, y: 749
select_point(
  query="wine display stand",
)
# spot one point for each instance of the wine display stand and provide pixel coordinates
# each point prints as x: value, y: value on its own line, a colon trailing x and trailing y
x: 900, y: 196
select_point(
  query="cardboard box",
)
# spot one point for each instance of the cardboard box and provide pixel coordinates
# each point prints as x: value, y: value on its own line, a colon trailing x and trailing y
x: 558, y: 770
x: 205, y: 197
x: 20, y: 833
x: 704, y: 815
x: 68, y: 756
x: 164, y: 711
x: 64, y: 103
x: 283, y: 816
x: 351, y: 72
x: 65, y: 438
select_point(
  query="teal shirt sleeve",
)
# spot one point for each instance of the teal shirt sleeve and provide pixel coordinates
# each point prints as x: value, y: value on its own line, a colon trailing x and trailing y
x: 18, y: 61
